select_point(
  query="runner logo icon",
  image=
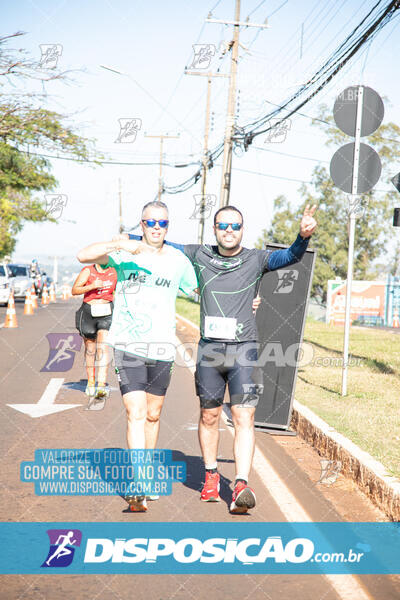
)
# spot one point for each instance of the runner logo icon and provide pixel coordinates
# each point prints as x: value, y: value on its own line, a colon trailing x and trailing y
x: 63, y: 347
x: 286, y: 281
x: 62, y: 547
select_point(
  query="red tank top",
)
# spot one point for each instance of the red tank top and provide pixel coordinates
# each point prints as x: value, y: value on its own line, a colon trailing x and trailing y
x: 109, y: 279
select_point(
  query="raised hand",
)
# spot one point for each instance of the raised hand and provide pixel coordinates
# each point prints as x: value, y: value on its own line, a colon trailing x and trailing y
x: 308, y: 223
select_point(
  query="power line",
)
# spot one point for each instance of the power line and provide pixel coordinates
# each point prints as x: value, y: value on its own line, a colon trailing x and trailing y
x: 291, y: 155
x: 244, y: 136
x: 332, y: 66
x: 107, y: 162
x: 269, y: 175
x: 290, y: 179
x: 258, y: 6
x: 343, y: 54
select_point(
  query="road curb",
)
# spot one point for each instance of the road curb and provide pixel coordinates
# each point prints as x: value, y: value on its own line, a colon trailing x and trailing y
x: 368, y: 473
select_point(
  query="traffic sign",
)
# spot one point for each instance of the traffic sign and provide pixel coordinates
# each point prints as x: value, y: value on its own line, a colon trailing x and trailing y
x: 369, y: 168
x: 345, y: 110
x: 396, y: 181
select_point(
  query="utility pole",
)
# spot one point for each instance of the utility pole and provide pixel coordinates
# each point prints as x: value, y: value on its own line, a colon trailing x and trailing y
x: 230, y: 117
x: 209, y: 76
x: 162, y: 138
x: 121, y: 227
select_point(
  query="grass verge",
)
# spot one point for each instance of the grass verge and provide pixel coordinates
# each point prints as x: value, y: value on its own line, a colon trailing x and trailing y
x: 189, y: 309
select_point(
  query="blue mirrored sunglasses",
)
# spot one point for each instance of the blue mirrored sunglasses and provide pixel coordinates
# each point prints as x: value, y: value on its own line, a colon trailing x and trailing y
x: 163, y: 223
x: 224, y: 226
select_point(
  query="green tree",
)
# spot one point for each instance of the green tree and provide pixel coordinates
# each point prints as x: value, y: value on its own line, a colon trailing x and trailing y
x: 23, y: 126
x: 373, y: 226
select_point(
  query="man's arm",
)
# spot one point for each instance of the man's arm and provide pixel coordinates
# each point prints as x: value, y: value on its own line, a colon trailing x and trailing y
x: 288, y: 256
x: 98, y: 252
x: 291, y: 255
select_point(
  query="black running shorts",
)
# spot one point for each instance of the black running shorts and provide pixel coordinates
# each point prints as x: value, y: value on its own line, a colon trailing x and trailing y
x: 142, y: 374
x: 233, y: 364
x: 87, y: 325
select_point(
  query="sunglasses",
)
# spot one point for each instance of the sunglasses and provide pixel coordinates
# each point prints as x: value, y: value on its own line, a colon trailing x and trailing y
x: 224, y: 226
x: 163, y: 223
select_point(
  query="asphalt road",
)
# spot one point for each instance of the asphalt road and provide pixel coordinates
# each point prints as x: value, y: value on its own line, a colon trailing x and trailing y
x: 285, y: 479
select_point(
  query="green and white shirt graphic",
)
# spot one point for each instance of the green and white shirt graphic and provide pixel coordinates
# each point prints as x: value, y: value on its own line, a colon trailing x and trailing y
x: 143, y: 320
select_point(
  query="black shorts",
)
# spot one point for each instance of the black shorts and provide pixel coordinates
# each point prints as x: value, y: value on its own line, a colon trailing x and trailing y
x: 136, y: 373
x: 235, y: 364
x: 87, y: 325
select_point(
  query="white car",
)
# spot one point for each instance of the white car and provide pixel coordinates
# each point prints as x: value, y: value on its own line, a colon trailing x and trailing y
x: 5, y: 285
x: 21, y: 278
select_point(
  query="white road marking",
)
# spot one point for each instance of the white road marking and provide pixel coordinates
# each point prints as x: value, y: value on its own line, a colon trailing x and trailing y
x: 45, y: 405
x: 347, y: 586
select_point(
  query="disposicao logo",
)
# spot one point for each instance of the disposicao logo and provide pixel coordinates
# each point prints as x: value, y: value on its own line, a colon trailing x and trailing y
x: 190, y: 550
x: 62, y: 547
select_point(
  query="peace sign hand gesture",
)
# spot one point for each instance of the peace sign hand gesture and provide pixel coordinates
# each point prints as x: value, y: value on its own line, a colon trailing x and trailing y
x: 308, y: 223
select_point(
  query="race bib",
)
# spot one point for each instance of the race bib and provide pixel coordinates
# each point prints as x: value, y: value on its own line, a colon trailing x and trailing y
x: 100, y: 310
x: 220, y: 328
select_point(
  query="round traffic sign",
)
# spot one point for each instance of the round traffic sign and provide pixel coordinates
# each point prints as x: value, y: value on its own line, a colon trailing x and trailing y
x: 369, y: 168
x: 345, y: 110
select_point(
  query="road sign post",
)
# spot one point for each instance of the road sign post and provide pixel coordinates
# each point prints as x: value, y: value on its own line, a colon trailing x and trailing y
x: 350, y: 257
x: 355, y: 168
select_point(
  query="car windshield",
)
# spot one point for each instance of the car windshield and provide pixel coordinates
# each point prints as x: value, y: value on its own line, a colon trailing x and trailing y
x: 18, y: 271
x: 2, y: 271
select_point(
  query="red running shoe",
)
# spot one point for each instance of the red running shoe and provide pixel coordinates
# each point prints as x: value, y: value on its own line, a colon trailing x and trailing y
x: 243, y: 498
x: 210, y: 491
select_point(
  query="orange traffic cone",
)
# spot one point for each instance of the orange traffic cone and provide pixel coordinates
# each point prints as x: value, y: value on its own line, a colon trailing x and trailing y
x: 11, y: 317
x: 34, y: 297
x: 64, y: 292
x: 52, y: 293
x: 28, y: 308
x: 396, y: 318
x: 45, y: 295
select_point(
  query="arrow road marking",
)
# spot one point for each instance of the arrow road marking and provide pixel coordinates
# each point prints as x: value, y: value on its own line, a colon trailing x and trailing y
x: 45, y: 406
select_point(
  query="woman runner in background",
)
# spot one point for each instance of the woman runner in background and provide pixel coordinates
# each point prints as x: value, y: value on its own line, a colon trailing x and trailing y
x: 93, y: 320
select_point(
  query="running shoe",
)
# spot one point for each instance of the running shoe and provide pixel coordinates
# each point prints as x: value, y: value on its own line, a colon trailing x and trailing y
x: 136, y: 503
x: 243, y: 498
x: 153, y: 497
x: 90, y: 390
x: 102, y: 393
x: 210, y: 491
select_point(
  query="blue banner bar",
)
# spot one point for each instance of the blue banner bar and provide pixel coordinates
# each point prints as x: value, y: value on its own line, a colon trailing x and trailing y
x: 200, y: 548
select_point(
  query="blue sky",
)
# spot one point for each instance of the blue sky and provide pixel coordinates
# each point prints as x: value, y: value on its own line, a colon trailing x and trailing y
x: 151, y: 42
